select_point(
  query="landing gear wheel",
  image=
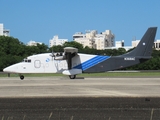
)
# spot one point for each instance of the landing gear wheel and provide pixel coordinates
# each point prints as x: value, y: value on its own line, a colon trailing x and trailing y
x: 21, y: 77
x: 72, y: 76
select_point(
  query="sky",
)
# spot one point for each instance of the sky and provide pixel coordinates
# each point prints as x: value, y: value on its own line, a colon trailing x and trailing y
x: 40, y: 20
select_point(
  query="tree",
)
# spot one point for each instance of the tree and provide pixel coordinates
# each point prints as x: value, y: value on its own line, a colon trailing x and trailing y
x: 57, y: 48
x: 42, y: 48
x: 10, y: 45
x: 31, y: 50
x: 11, y: 51
x: 121, y: 51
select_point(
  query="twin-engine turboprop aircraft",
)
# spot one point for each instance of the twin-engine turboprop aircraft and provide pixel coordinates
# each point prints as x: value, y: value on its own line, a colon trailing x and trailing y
x: 72, y: 63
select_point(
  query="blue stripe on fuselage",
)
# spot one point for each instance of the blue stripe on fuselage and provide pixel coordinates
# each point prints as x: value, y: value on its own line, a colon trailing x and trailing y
x: 91, y: 62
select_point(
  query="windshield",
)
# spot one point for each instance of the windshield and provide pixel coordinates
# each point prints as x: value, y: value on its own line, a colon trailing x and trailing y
x: 27, y: 60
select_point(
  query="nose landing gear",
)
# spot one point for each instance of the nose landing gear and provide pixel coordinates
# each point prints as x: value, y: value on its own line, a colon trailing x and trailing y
x: 21, y: 77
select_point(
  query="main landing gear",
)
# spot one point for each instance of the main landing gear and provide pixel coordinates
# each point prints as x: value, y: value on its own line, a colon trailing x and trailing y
x: 72, y: 76
x: 21, y: 77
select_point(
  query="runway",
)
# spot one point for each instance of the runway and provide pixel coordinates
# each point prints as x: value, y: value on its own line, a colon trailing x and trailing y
x: 59, y: 98
x: 89, y: 87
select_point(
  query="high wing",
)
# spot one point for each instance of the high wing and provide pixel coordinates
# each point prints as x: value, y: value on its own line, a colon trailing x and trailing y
x: 69, y: 53
x: 70, y: 49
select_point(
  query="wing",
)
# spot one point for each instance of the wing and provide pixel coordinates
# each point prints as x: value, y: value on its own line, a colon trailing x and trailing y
x: 70, y: 50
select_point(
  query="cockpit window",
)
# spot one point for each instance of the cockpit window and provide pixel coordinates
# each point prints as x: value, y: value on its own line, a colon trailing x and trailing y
x: 27, y: 60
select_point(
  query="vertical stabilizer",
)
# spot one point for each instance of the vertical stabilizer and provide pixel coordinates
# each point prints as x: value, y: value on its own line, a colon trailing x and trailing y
x: 144, y: 48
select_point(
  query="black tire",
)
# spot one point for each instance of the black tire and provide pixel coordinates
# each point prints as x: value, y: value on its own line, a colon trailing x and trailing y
x: 21, y: 77
x: 72, y: 76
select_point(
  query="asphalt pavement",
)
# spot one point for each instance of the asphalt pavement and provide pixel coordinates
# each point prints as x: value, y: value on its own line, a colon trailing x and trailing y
x: 48, y: 98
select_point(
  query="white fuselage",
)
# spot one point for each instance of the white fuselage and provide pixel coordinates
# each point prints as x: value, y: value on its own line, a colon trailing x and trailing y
x: 45, y: 63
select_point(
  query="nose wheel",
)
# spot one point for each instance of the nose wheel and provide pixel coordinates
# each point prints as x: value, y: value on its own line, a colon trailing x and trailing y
x: 21, y: 77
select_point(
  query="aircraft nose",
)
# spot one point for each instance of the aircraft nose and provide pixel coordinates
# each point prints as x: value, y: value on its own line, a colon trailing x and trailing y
x: 9, y: 69
x: 6, y: 69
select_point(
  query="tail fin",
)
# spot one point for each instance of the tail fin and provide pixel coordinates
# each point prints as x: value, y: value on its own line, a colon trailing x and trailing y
x: 144, y: 48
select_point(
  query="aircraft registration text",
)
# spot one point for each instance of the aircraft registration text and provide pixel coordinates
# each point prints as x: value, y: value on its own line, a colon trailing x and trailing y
x: 129, y: 58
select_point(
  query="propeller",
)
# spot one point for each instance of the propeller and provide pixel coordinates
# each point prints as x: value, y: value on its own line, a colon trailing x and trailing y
x: 52, y: 53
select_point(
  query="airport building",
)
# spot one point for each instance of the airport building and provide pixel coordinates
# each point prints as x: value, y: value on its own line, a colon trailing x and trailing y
x: 94, y: 40
x: 3, y: 31
x: 33, y: 43
x: 56, y: 41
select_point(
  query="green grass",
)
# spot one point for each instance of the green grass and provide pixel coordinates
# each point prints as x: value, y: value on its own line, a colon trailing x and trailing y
x: 106, y: 74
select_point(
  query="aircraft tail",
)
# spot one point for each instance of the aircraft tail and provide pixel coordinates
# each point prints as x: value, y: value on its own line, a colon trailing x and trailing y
x: 144, y: 48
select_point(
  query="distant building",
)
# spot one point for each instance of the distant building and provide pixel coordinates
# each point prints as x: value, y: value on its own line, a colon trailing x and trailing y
x: 33, y: 43
x: 125, y: 47
x: 135, y: 43
x: 56, y: 41
x: 157, y: 44
x: 3, y: 31
x: 119, y: 44
x: 94, y: 40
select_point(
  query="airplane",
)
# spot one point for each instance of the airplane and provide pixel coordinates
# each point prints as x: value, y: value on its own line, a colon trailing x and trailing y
x: 72, y: 63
